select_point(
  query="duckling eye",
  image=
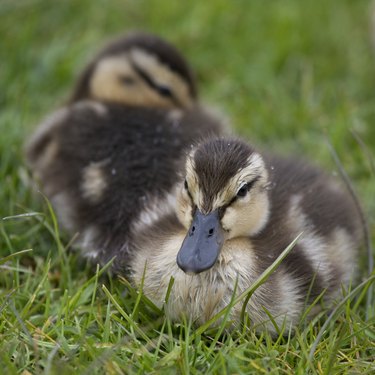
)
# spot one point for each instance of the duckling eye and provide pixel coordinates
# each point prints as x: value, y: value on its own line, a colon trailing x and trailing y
x: 245, y: 188
x: 127, y: 80
x: 165, y: 91
x: 243, y: 191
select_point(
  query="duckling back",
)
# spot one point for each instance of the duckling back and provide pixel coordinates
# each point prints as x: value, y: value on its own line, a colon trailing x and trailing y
x: 110, y: 168
x: 306, y: 200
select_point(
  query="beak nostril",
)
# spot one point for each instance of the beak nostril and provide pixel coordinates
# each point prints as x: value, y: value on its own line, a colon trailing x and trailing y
x: 211, y: 232
x: 192, y: 231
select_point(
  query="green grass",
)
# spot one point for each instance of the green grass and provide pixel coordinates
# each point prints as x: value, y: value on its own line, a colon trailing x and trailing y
x: 289, y: 74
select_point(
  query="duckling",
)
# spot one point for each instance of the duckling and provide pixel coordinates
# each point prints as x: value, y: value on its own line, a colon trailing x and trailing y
x: 138, y: 69
x: 108, y: 159
x: 236, y: 210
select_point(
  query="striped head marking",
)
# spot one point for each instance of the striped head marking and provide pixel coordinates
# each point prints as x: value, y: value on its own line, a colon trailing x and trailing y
x: 139, y: 70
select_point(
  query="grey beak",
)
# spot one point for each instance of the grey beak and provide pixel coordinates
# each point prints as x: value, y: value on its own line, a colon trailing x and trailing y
x: 202, y: 244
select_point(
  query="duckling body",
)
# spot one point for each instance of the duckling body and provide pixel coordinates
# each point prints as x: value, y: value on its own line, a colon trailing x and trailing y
x: 110, y: 167
x: 237, y: 211
x: 109, y: 159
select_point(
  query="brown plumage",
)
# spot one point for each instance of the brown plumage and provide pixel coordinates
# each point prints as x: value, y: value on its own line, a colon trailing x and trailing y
x: 112, y: 164
x: 110, y: 158
x: 109, y: 163
x: 237, y: 211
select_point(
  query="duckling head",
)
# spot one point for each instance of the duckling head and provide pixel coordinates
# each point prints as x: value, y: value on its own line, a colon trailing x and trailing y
x: 224, y: 196
x: 140, y: 69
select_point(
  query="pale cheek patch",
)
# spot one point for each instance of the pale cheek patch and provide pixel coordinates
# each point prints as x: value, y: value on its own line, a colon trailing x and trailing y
x: 94, y: 182
x: 106, y: 84
x: 247, y: 217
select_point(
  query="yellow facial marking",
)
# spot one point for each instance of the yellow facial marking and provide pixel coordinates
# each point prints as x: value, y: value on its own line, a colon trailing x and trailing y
x: 115, y: 79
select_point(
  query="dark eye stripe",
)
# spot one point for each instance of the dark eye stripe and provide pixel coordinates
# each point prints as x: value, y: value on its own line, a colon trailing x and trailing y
x: 186, y: 187
x: 162, y: 90
x: 143, y: 75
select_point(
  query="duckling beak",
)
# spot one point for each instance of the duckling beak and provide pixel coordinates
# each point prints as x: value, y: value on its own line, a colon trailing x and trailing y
x: 202, y: 244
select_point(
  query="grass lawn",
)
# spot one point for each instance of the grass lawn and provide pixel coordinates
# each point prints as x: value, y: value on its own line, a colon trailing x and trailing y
x: 289, y: 74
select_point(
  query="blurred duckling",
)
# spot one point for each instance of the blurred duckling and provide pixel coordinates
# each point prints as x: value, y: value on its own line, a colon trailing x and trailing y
x: 108, y: 160
x: 237, y: 210
x: 139, y: 69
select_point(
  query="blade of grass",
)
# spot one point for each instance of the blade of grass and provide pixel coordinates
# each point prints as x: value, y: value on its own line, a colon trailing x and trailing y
x: 335, y: 310
x: 22, y: 324
x: 60, y: 247
x: 127, y: 317
x: 11, y: 256
x: 264, y: 276
x: 21, y: 216
x: 134, y: 292
x: 73, y: 300
x: 31, y: 300
x: 225, y: 319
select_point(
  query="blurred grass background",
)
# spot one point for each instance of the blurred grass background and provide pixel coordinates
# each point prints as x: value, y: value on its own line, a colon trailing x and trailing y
x: 287, y: 73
